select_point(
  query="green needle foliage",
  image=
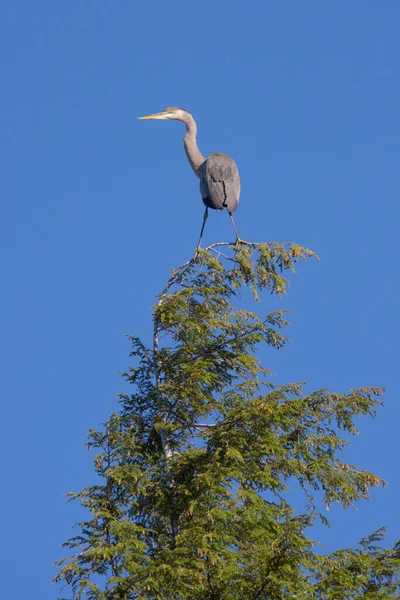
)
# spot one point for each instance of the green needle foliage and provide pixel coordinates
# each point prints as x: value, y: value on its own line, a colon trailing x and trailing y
x: 193, y: 470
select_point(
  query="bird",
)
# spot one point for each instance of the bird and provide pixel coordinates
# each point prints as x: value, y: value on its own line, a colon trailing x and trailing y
x: 218, y: 174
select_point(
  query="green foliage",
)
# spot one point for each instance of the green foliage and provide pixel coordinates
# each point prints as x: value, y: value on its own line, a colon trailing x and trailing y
x: 193, y: 469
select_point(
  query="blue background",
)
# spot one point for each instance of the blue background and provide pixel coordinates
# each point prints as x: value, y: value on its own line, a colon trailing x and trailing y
x: 97, y: 206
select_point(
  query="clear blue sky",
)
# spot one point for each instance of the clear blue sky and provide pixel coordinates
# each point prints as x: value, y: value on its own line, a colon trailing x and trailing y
x: 97, y: 206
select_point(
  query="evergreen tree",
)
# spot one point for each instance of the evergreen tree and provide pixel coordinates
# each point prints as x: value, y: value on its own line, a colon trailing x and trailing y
x: 194, y: 467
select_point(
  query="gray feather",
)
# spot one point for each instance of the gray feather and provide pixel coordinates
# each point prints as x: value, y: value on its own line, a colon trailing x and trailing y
x: 220, y: 182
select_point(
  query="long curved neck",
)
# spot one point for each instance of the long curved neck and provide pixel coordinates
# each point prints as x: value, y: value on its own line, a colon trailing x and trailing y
x: 194, y: 155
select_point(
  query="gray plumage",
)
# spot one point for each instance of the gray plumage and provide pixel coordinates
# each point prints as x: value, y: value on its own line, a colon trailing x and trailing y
x: 218, y: 174
x: 220, y: 182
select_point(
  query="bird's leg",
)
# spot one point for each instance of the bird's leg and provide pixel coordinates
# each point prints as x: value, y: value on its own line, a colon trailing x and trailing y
x: 202, y: 227
x: 234, y: 227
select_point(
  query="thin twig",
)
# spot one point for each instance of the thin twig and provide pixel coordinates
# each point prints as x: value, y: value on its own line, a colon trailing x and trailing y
x: 223, y: 255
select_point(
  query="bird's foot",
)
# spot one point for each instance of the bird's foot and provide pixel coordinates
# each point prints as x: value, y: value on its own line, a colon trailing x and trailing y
x: 240, y: 241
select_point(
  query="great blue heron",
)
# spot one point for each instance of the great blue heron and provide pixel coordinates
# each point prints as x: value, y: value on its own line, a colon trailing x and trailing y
x: 218, y: 174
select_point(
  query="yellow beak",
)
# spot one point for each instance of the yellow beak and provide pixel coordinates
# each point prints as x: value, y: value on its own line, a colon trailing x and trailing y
x: 155, y: 116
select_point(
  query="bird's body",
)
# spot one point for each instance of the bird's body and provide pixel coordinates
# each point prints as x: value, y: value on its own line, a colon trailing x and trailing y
x: 218, y: 174
x: 220, y: 182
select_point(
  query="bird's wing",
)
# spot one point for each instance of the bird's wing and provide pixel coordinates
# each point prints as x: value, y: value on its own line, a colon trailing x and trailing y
x: 220, y: 182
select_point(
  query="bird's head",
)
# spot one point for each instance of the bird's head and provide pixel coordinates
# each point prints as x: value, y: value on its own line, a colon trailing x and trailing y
x: 171, y: 112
